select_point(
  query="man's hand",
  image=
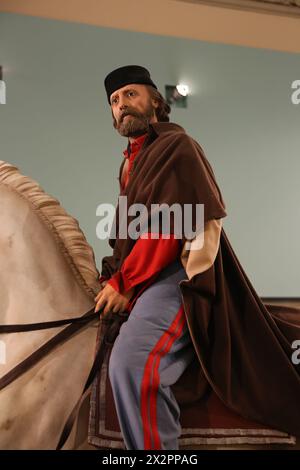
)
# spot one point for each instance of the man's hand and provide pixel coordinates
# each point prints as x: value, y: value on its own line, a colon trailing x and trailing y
x: 113, y: 301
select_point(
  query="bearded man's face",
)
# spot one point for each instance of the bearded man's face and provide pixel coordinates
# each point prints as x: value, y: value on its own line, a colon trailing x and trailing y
x: 132, y: 110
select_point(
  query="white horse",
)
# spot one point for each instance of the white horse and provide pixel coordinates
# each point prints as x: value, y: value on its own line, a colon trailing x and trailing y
x: 47, y: 272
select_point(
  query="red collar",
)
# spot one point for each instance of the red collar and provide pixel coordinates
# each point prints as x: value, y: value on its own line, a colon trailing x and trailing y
x: 135, y: 145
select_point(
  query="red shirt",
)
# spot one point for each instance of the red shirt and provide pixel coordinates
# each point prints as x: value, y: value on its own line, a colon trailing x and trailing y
x: 148, y: 256
x: 135, y: 147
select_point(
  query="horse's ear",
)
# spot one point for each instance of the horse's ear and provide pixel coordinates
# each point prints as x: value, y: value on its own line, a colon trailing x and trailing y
x: 64, y: 227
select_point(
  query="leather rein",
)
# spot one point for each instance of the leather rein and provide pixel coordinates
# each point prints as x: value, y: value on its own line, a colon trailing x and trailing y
x: 75, y: 324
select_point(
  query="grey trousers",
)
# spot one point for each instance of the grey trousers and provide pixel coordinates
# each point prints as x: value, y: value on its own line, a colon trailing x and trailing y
x: 150, y: 353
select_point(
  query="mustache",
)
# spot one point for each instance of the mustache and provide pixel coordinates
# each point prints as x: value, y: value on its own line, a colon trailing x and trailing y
x: 129, y: 113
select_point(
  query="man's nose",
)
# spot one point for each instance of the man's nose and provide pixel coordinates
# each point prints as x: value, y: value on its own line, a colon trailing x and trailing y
x: 122, y: 108
x: 123, y: 102
x: 122, y: 105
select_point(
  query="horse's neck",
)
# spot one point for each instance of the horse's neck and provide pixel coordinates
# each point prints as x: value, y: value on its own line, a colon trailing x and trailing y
x: 37, y: 284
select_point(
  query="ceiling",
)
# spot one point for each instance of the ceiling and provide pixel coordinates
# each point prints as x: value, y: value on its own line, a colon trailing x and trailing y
x: 236, y: 22
x: 277, y: 7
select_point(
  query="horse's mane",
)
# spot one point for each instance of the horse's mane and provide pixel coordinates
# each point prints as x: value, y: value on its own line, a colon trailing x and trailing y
x: 65, y: 229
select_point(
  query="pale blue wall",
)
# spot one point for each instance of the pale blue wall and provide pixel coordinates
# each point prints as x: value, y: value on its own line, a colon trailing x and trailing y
x: 56, y: 126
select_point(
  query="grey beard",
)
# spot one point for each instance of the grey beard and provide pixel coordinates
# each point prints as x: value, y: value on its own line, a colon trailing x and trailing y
x: 137, y: 124
x: 134, y: 126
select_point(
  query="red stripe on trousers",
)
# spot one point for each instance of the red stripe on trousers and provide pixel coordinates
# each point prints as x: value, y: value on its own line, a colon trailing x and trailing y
x: 156, y: 382
x: 170, y: 334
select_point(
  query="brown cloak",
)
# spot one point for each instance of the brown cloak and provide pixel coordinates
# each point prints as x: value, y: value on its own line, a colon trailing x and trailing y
x: 243, y: 346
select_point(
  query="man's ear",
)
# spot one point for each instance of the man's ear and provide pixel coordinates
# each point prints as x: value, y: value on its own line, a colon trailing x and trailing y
x: 154, y: 103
